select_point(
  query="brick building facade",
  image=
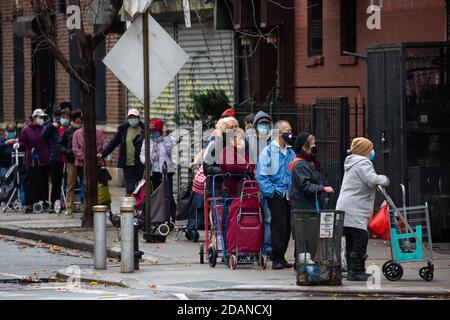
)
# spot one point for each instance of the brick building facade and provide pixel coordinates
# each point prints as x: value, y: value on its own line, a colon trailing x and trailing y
x: 324, y: 29
x: 28, y: 84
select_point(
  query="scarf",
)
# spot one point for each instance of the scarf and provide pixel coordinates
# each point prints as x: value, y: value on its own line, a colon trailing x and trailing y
x: 310, y: 158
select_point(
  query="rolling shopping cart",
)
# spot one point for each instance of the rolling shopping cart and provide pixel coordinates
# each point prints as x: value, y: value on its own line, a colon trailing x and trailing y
x: 410, y: 238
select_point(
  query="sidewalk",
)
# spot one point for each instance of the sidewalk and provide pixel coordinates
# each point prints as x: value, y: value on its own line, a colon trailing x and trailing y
x: 175, y: 265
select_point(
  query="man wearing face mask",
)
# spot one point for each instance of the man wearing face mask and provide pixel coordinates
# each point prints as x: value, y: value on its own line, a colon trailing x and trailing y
x: 66, y: 149
x: 126, y: 133
x: 161, y: 146
x: 6, y: 149
x: 31, y: 139
x: 53, y: 132
x: 262, y: 124
x: 274, y: 180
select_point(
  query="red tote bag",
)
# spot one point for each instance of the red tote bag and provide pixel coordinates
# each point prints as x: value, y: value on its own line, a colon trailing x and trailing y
x: 379, y: 225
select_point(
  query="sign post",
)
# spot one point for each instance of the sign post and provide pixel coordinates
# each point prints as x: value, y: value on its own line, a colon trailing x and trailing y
x: 148, y: 190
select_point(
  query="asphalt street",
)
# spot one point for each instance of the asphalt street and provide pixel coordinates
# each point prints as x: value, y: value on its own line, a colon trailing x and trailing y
x: 28, y: 268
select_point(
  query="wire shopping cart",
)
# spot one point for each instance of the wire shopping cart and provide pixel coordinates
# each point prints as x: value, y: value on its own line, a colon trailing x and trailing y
x: 410, y: 238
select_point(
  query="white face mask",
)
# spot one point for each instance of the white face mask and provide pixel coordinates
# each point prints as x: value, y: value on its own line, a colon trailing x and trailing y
x: 39, y: 121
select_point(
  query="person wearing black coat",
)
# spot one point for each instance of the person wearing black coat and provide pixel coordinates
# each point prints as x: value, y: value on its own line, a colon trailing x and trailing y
x: 308, y: 185
x: 53, y: 132
x: 65, y: 143
x: 126, y: 134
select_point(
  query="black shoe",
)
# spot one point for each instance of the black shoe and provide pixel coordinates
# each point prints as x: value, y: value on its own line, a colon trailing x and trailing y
x: 286, y: 264
x: 358, y: 276
x: 356, y: 270
x: 277, y: 265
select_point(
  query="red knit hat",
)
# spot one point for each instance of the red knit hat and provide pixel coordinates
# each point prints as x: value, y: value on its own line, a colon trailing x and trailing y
x: 229, y: 113
x: 156, y: 125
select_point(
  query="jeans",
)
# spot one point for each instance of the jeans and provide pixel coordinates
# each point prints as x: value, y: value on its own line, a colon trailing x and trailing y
x: 267, y: 247
x: 132, y: 176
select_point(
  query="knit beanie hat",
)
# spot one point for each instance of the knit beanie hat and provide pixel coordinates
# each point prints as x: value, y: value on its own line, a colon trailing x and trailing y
x: 361, y: 146
x: 301, y: 140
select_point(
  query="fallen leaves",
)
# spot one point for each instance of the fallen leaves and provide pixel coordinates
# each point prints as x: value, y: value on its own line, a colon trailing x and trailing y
x: 153, y: 286
x: 93, y: 283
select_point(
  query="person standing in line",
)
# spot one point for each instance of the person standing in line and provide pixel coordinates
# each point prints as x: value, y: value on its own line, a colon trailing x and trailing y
x: 78, y: 148
x: 66, y: 149
x: 53, y: 133
x: 357, y: 199
x: 6, y: 149
x: 132, y: 166
x: 274, y: 180
x: 37, y: 154
x: 161, y: 147
x: 262, y: 125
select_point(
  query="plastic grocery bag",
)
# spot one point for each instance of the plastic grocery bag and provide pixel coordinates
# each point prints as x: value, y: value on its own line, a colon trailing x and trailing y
x: 103, y: 195
x: 379, y: 225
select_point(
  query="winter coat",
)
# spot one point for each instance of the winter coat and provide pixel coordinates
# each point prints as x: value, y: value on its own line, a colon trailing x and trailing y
x: 307, y: 183
x: 65, y: 143
x: 31, y: 137
x: 5, y: 154
x: 211, y: 167
x: 272, y: 171
x: 357, y: 195
x: 78, y: 145
x: 52, y: 134
x: 164, y: 147
x: 235, y: 162
x: 120, y: 138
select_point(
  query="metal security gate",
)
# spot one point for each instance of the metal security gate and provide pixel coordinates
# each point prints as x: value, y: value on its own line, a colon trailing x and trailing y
x: 409, y: 122
x: 328, y: 121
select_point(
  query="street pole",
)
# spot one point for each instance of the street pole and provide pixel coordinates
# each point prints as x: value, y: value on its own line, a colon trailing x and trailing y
x: 148, y: 193
x: 127, y: 238
x: 100, y: 236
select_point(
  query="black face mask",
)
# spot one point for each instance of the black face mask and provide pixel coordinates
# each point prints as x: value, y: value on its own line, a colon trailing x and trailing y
x: 288, y: 137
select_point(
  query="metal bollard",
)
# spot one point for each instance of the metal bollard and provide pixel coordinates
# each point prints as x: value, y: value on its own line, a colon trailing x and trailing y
x: 100, y: 236
x: 127, y: 238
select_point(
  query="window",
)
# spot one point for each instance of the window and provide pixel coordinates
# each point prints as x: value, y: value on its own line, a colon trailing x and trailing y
x: 348, y: 25
x: 19, y: 108
x: 315, y: 21
x: 100, y: 78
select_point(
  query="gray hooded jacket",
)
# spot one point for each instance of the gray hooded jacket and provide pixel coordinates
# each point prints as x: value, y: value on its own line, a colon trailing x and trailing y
x: 357, y: 195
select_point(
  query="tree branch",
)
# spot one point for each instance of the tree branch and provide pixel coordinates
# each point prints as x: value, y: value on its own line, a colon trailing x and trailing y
x: 99, y: 36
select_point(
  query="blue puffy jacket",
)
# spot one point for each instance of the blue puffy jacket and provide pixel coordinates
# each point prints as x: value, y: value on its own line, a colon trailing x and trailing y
x: 272, y: 170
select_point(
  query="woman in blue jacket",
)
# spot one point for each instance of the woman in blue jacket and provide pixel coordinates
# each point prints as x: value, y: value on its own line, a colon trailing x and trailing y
x: 6, y: 149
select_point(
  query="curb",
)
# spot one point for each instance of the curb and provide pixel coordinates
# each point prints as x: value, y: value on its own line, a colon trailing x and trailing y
x: 63, y: 277
x: 56, y: 239
x: 342, y: 290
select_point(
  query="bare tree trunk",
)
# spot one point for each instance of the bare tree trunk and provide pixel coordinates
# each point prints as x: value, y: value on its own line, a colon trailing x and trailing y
x: 90, y: 144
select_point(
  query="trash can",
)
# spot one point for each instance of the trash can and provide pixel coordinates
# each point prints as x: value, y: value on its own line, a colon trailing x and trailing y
x: 317, y: 236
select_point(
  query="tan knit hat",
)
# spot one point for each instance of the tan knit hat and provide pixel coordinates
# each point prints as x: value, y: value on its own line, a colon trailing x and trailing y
x: 361, y: 146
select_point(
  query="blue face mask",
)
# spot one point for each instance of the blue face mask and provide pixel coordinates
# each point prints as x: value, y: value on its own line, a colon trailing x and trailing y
x: 10, y: 135
x: 155, y: 135
x: 372, y: 155
x: 65, y: 122
x: 133, y: 122
x: 263, y: 128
